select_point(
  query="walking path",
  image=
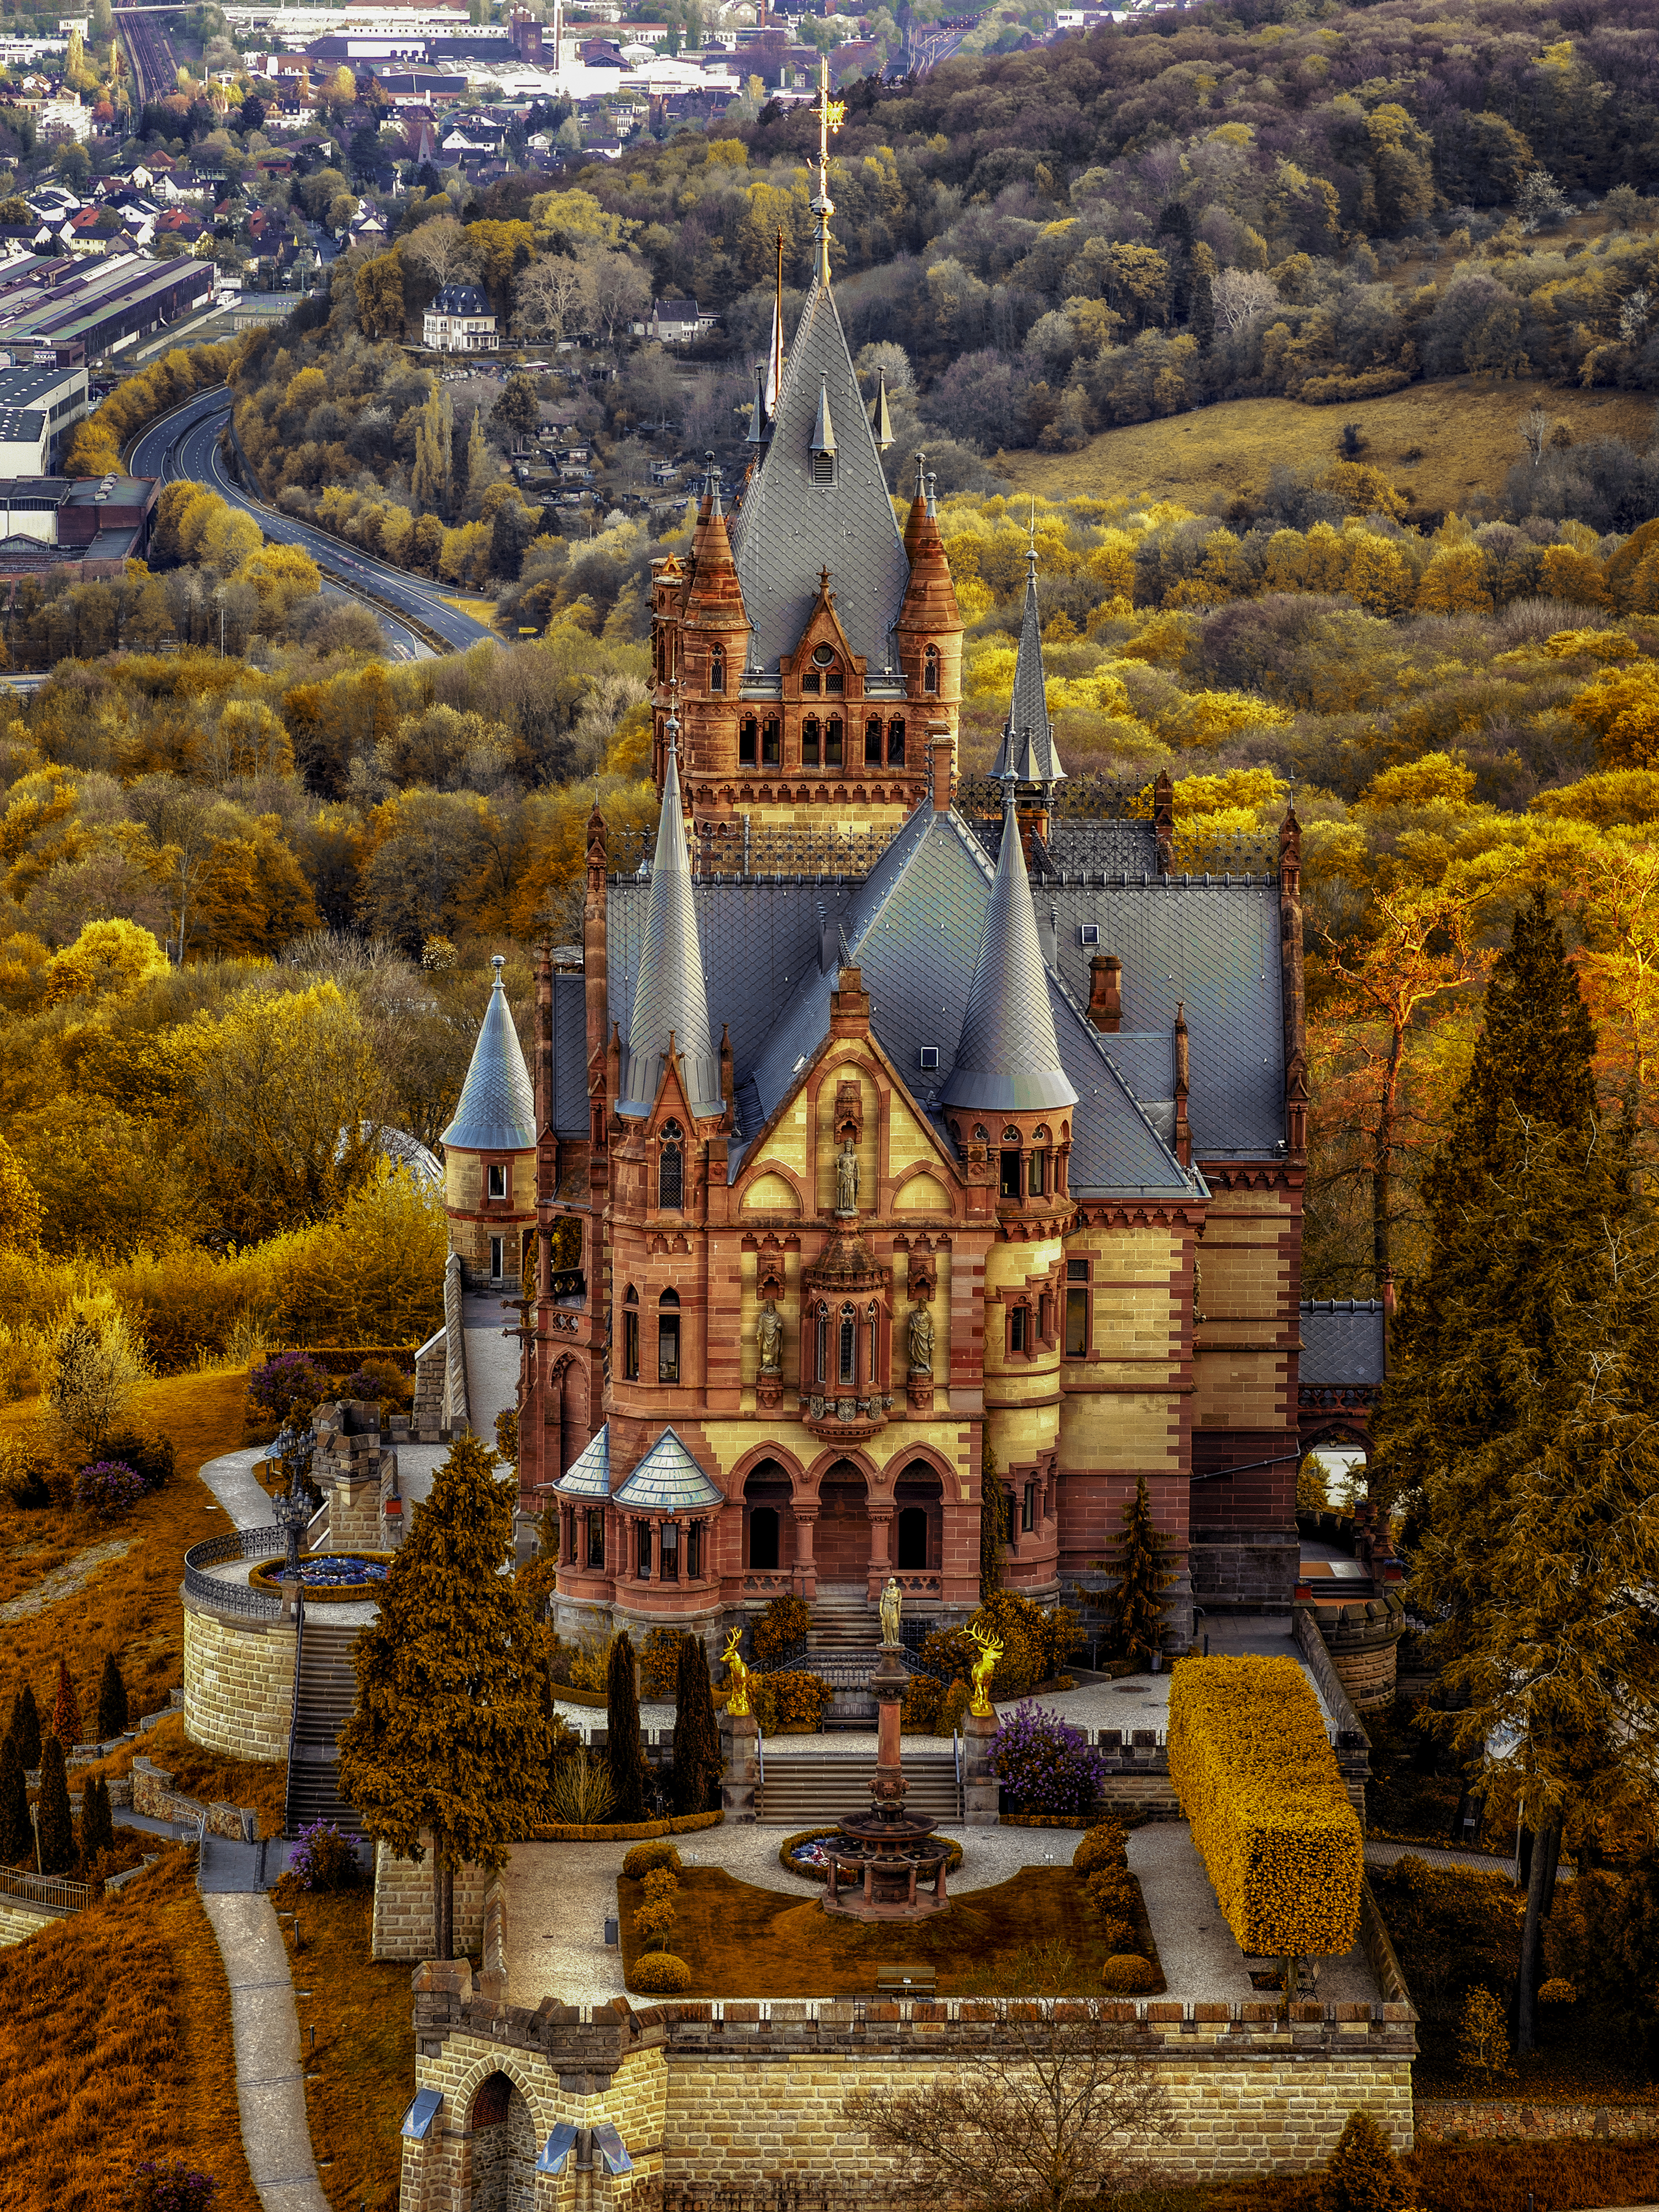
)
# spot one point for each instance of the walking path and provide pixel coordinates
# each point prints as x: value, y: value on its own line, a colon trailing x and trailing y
x: 64, y: 1582
x: 270, y: 2092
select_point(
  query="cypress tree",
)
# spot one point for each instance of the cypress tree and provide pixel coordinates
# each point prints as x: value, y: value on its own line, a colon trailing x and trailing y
x: 1519, y: 1419
x: 697, y: 1761
x: 1142, y: 1578
x: 53, y: 1820
x: 66, y: 1709
x: 112, y: 1701
x: 449, y: 1741
x: 622, y: 1753
x: 26, y: 1727
x: 97, y: 1827
x: 15, y: 1839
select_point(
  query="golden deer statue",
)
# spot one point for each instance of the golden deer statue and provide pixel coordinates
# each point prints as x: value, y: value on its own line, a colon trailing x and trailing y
x: 990, y: 1651
x: 737, y: 1676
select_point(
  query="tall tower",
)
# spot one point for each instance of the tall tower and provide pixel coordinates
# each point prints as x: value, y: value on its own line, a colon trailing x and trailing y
x: 489, y: 1155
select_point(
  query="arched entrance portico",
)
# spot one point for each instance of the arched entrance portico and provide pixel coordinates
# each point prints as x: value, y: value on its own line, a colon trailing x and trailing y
x: 503, y: 2146
x: 842, y: 1536
x: 767, y: 1521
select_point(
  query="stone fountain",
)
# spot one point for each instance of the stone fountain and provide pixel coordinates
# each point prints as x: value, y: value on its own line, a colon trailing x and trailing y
x: 886, y: 1864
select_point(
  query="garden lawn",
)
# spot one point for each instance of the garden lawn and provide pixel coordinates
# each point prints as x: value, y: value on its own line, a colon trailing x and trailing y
x: 201, y: 1774
x: 744, y: 1942
x: 115, y: 2045
x: 130, y: 1605
x: 362, y: 2074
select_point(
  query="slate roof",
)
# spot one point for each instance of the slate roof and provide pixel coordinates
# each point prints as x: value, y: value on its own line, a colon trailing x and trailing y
x: 1007, y: 1058
x: 1027, y: 750
x: 669, y: 1481
x: 497, y: 1109
x: 569, y: 1056
x: 671, y: 1004
x: 459, y: 300
x: 1342, y: 1342
x: 789, y: 528
x: 1082, y: 845
x: 588, y: 1474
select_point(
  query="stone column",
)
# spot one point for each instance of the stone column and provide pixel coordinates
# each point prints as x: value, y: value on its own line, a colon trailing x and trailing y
x: 980, y: 1787
x: 738, y: 1778
x: 880, y: 1519
x: 888, y: 1684
x: 806, y: 1572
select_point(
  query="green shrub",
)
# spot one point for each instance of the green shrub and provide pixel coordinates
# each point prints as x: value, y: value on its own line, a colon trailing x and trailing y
x: 1103, y: 1846
x: 645, y: 1858
x: 1113, y: 1892
x: 1361, y: 2174
x: 953, y: 1708
x: 588, y: 1664
x: 654, y: 1917
x: 1118, y: 1935
x: 790, y: 1704
x: 660, y: 1974
x: 784, y: 1622
x: 922, y: 1706
x: 1129, y: 1974
x: 660, y: 1662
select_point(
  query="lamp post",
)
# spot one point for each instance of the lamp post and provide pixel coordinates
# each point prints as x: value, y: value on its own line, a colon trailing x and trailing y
x: 294, y: 1446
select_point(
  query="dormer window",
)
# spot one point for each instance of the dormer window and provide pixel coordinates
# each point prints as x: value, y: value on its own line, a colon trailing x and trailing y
x: 717, y: 668
x: 823, y: 468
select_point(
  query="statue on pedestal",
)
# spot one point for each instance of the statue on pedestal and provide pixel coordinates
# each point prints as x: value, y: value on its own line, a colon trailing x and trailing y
x: 769, y: 1334
x: 846, y: 1177
x: 889, y: 1614
x: 990, y: 1651
x: 921, y: 1341
x: 736, y: 1678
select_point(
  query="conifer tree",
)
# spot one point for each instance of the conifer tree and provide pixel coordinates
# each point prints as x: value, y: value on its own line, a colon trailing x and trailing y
x: 54, y: 1822
x: 1361, y: 2174
x: 622, y: 1753
x: 25, y: 1725
x: 14, y: 1836
x: 66, y: 1709
x: 449, y: 1741
x: 1520, y: 1418
x: 112, y: 1701
x: 1142, y: 1578
x: 97, y: 1825
x: 698, y: 1760
x: 477, y: 459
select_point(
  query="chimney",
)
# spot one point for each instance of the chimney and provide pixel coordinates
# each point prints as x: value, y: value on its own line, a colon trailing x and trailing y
x: 1183, y: 1135
x: 941, y: 763
x: 1106, y: 993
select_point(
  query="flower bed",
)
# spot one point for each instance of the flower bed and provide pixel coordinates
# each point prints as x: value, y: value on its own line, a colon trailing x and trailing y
x: 624, y: 1831
x: 330, y: 1577
x: 1045, y: 1764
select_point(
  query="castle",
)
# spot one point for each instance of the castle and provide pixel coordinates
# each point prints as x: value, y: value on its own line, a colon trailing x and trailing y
x: 980, y: 1159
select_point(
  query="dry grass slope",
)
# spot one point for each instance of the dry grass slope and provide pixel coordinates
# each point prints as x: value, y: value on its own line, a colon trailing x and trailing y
x: 1464, y: 432
x: 362, y: 2073
x: 115, y: 2045
x: 130, y: 1604
x: 203, y: 1774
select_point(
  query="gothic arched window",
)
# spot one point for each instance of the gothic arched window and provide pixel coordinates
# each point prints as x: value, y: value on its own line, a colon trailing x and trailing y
x: 771, y: 742
x: 630, y: 1336
x: 670, y: 1170
x: 668, y: 1337
x: 896, y: 745
x: 747, y: 731
x: 846, y: 1365
x: 717, y: 668
x: 834, y: 743
x: 930, y: 669
x: 809, y: 742
x: 872, y: 742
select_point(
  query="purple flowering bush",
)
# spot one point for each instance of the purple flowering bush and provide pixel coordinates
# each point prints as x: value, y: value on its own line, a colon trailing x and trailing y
x: 322, y: 1858
x: 109, y: 1488
x: 174, y: 2187
x: 289, y: 1382
x: 1045, y: 1764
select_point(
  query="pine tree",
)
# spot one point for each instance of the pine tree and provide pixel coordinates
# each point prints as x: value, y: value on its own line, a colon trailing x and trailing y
x: 697, y: 1761
x: 15, y: 1839
x: 449, y: 1739
x: 1521, y: 1415
x: 112, y: 1701
x: 66, y: 1710
x: 25, y: 1725
x: 1142, y: 1579
x: 622, y: 1753
x: 1361, y: 2174
x: 53, y: 1822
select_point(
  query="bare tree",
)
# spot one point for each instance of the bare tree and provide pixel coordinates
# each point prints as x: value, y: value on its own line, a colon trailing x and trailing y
x: 1241, y: 295
x: 548, y: 295
x: 1534, y: 432
x: 1061, y: 2106
x: 442, y: 249
x: 614, y: 289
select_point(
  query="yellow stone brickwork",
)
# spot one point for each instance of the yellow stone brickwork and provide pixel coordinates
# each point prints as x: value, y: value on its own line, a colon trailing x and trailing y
x: 19, y: 1921
x: 1243, y: 1301
x: 238, y: 1683
x: 401, y: 1926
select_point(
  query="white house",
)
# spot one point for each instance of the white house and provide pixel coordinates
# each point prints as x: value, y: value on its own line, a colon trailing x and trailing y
x: 459, y: 320
x: 678, y: 322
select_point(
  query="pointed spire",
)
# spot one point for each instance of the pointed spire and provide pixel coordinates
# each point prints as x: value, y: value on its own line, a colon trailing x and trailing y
x: 774, y: 347
x: 671, y: 999
x: 884, y: 420
x: 823, y: 430
x: 1027, y: 752
x: 497, y: 1107
x: 1007, y: 1060
x: 757, y: 417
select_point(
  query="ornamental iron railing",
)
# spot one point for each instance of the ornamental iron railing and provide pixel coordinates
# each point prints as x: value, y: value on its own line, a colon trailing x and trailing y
x: 228, y: 1596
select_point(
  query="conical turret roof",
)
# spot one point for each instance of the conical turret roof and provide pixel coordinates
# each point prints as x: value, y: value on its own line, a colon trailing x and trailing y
x: 671, y: 1000
x: 497, y: 1109
x: 1027, y: 752
x: 1008, y: 1060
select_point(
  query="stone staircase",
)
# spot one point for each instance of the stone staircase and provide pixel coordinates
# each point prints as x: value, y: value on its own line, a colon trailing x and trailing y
x: 323, y: 1697
x: 842, y: 1620
x: 810, y: 1791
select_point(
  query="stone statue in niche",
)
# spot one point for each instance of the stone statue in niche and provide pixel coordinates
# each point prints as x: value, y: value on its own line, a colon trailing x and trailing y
x: 846, y: 1177
x: 769, y: 1332
x: 921, y: 1341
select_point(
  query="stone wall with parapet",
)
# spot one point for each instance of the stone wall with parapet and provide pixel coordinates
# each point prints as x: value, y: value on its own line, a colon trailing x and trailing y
x: 19, y: 1920
x: 402, y: 1922
x: 152, y: 1792
x: 238, y: 1683
x: 1512, y: 2119
x: 749, y: 2096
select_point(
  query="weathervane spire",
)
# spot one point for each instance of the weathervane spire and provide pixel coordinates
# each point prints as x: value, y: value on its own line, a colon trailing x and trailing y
x: 832, y: 113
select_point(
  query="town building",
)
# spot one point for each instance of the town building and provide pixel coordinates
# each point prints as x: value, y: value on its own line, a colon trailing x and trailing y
x: 89, y: 526
x: 676, y: 322
x: 975, y: 1158
x: 460, y: 320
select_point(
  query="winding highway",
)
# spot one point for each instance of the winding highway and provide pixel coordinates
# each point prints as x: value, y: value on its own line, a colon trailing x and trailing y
x: 184, y: 444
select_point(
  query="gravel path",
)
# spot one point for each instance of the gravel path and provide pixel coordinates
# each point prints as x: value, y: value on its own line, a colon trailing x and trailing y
x: 270, y: 2093
x: 64, y: 1582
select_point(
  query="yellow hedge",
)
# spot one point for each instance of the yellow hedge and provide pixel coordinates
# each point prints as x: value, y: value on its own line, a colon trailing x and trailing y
x: 1258, y: 1782
x: 624, y: 1832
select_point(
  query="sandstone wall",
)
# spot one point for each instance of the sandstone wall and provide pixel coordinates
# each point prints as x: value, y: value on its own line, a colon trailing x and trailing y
x: 402, y: 1906
x: 238, y: 1683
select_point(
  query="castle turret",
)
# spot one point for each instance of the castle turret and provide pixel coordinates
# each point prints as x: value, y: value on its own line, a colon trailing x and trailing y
x: 489, y: 1155
x: 1027, y: 752
x: 671, y: 1002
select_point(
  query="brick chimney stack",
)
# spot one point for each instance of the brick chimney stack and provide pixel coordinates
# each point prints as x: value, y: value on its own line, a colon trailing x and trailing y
x: 1106, y: 993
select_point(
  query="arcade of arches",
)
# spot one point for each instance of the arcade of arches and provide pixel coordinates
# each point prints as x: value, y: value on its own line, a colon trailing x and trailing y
x: 845, y: 1533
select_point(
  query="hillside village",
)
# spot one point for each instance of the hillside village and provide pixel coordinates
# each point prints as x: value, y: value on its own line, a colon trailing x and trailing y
x: 827, y: 907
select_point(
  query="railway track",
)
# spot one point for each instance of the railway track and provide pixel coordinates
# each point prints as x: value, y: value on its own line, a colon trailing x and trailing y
x: 150, y: 52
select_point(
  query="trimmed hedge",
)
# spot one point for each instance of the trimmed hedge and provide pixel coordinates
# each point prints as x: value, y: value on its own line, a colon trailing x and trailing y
x: 624, y: 1832
x: 790, y: 1704
x: 1258, y: 1782
x: 660, y: 1974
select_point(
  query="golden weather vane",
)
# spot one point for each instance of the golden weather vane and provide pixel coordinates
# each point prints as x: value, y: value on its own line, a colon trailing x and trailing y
x: 832, y: 113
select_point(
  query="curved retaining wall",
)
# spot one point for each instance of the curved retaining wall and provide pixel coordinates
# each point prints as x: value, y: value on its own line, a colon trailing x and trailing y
x: 239, y: 1681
